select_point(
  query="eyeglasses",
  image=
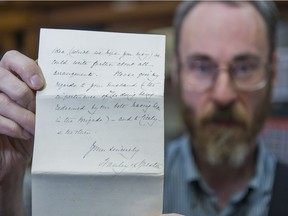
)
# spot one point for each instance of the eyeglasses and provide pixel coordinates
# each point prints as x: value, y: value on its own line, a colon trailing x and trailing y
x: 247, y: 75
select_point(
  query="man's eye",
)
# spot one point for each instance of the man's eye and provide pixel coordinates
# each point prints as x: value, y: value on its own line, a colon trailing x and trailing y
x: 243, y: 69
x: 200, y: 67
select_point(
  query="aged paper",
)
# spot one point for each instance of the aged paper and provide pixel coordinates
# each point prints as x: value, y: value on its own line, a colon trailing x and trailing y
x: 99, y: 136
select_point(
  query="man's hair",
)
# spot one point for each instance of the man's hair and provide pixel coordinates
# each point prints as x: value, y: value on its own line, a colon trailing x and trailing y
x: 267, y: 9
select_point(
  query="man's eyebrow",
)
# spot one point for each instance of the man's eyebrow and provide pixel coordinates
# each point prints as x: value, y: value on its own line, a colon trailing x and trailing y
x: 199, y: 57
x: 245, y: 57
x: 240, y: 57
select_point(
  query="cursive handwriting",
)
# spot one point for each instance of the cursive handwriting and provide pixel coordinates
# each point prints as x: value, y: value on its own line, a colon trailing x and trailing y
x: 113, y: 88
x: 119, y: 166
x: 93, y: 148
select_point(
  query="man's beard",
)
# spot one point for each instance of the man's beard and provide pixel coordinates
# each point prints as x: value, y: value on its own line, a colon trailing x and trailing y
x: 225, y: 136
x: 222, y: 146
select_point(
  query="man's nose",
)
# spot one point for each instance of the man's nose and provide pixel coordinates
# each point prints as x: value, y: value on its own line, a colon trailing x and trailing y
x: 224, y: 93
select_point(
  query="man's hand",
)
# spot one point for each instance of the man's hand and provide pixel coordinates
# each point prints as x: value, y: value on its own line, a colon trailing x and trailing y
x: 20, y: 77
x: 171, y: 215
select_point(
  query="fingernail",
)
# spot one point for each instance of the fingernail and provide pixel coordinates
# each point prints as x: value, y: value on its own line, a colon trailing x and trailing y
x: 36, y: 81
x: 26, y: 135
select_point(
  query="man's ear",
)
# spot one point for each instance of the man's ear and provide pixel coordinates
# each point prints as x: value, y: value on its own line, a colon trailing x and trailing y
x: 274, y: 69
x: 175, y: 72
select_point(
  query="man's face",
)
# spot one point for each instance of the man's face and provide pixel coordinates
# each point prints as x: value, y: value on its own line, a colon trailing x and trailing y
x: 223, y: 120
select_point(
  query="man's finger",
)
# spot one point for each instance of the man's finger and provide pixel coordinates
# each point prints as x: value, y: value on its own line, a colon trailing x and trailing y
x: 16, y: 89
x: 12, y: 129
x: 171, y: 215
x: 23, y: 67
x: 21, y: 116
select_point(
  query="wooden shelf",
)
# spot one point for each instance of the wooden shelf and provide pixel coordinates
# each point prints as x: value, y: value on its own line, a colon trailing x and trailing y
x: 20, y: 21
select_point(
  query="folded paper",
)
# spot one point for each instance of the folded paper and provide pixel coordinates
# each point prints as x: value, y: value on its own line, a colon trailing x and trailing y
x: 99, y: 135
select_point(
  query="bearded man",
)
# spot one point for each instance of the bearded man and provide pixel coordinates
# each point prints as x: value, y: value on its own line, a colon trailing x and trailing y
x: 225, y: 69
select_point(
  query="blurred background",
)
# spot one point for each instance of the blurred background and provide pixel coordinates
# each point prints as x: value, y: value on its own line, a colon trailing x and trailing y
x: 20, y: 22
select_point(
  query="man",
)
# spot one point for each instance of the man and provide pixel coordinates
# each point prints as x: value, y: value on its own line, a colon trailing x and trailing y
x: 225, y: 69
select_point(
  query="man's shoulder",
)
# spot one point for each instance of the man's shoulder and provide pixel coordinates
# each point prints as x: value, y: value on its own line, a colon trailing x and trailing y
x: 174, y: 150
x: 174, y: 146
x: 281, y: 175
x: 279, y: 198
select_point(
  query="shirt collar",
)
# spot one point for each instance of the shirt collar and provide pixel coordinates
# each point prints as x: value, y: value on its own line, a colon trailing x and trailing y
x: 192, y: 173
x: 265, y: 164
x: 260, y: 181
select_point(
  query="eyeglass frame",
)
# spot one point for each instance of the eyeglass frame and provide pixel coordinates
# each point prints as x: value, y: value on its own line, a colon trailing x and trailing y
x: 267, y: 67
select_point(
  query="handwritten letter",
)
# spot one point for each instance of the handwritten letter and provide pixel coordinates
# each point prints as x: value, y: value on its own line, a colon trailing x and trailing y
x: 99, y: 121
